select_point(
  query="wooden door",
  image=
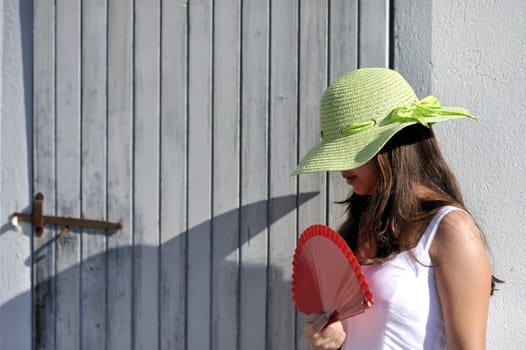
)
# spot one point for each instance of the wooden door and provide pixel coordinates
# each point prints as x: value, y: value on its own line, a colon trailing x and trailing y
x: 183, y: 121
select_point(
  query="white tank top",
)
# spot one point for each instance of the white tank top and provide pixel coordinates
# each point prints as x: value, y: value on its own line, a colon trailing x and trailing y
x: 406, y: 313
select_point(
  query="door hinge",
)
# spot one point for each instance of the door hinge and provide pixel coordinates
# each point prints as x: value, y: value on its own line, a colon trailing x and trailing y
x: 39, y: 220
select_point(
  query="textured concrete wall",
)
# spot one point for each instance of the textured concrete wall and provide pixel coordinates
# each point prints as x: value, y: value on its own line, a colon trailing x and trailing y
x: 15, y: 173
x: 471, y: 53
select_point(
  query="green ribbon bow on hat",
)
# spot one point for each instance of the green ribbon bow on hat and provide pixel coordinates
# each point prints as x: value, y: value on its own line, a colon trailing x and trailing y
x: 426, y: 107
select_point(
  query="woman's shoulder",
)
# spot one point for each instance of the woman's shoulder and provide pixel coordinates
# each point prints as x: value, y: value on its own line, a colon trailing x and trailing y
x: 456, y: 232
x: 457, y: 224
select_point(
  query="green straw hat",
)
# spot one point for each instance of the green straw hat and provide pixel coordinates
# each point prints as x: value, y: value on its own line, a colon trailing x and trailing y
x: 361, y: 111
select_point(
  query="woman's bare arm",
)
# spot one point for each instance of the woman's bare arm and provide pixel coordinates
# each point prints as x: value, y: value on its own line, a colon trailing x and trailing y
x: 463, y: 279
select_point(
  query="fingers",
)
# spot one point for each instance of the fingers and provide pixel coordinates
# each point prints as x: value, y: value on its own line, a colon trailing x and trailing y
x: 319, y: 321
x: 314, y: 324
x: 321, y: 335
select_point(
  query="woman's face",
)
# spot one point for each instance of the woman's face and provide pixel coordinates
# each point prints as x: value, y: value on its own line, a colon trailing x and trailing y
x: 363, y: 178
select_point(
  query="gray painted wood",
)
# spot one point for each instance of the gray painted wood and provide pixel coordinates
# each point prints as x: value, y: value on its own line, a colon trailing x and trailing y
x: 282, y: 152
x: 199, y: 173
x: 120, y: 180
x: 314, y: 67
x: 183, y: 120
x: 374, y: 33
x: 254, y: 175
x: 226, y: 175
x: 146, y: 175
x: 44, y: 171
x: 173, y: 179
x: 93, y: 174
x: 68, y: 186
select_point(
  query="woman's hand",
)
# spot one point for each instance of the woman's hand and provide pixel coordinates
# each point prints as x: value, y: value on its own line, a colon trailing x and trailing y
x: 321, y: 337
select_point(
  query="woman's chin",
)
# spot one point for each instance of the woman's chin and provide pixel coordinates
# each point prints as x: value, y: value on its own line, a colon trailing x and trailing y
x: 361, y: 191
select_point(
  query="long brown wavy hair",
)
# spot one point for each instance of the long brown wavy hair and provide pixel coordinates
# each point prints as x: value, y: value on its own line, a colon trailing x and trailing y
x: 413, y: 182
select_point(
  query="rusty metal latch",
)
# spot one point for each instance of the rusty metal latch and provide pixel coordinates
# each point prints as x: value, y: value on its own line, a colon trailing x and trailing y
x: 39, y: 220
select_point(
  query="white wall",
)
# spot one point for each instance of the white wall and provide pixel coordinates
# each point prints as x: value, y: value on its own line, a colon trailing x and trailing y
x: 471, y: 53
x: 15, y: 173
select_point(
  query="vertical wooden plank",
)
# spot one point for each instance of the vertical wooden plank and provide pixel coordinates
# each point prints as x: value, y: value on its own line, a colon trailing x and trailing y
x: 313, y: 70
x: 374, y: 33
x: 120, y: 153
x: 44, y: 169
x: 343, y: 35
x: 254, y: 174
x: 68, y: 107
x: 283, y: 146
x: 225, y: 227
x: 343, y: 57
x: 146, y: 175
x: 199, y: 173
x: 173, y: 175
x: 93, y: 170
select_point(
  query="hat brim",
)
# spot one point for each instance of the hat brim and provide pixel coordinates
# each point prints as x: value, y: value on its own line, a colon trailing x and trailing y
x: 350, y: 152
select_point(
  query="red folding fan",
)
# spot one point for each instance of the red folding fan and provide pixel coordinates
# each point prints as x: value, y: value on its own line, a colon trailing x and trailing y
x: 326, y: 276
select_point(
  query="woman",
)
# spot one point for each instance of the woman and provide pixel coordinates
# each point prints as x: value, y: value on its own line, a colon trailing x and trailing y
x: 420, y: 250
